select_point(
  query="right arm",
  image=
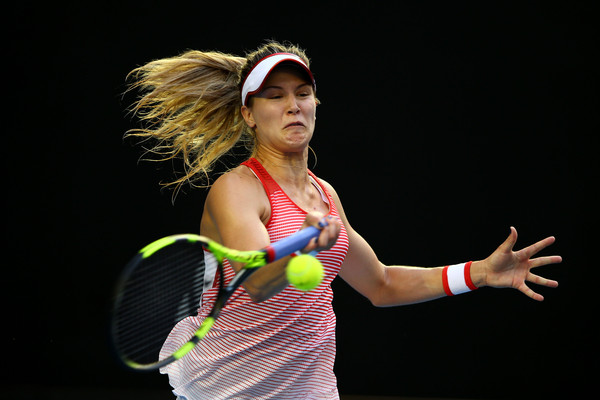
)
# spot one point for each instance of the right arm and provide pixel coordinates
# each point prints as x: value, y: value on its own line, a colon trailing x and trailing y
x: 235, y: 213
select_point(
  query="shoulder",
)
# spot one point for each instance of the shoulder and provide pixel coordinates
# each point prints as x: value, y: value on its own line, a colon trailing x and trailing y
x: 238, y: 179
x: 234, y: 211
x: 237, y: 190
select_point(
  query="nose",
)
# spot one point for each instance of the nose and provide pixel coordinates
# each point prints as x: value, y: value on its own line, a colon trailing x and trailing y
x: 293, y: 107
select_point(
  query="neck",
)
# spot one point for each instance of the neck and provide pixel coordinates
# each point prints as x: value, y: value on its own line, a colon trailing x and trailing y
x: 285, y: 168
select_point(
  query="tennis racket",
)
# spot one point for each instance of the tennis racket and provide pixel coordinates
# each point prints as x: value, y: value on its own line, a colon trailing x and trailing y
x: 163, y: 283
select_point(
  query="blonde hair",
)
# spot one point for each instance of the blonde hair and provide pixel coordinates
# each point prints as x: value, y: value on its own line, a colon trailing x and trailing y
x: 190, y: 107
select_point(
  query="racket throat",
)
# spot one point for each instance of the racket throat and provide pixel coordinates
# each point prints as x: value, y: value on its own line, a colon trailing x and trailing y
x: 198, y: 336
x: 237, y: 281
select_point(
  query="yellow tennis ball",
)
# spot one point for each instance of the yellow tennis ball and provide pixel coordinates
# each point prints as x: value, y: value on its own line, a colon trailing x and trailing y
x: 305, y: 272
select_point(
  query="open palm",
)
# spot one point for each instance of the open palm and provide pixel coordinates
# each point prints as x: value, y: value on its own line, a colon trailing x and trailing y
x: 508, y: 268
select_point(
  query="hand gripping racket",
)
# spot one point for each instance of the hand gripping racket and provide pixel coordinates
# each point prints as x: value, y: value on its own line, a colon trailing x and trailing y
x: 163, y: 283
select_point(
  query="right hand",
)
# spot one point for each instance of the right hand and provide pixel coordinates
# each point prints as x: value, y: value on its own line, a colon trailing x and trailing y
x: 329, y: 233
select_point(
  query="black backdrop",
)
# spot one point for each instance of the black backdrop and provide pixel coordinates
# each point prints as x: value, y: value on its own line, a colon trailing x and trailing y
x: 441, y: 124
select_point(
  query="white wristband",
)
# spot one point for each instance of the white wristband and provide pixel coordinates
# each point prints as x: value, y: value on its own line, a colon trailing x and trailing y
x: 457, y: 279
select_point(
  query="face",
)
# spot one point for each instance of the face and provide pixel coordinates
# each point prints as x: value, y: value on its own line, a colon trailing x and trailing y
x: 283, y: 114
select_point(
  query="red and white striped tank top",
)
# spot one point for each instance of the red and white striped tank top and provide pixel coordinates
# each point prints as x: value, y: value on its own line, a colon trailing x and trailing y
x: 282, y: 348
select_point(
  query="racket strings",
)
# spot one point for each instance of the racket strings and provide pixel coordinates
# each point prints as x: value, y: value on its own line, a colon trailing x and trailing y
x: 147, y: 285
x: 159, y: 292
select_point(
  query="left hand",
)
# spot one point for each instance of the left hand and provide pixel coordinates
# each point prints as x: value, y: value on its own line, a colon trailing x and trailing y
x: 508, y: 268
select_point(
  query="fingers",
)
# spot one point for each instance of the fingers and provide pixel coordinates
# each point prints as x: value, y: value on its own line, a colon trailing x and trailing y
x: 537, y: 247
x: 314, y: 219
x: 531, y: 250
x: 330, y: 229
x: 329, y: 233
x: 517, y: 265
x: 541, y: 261
x: 538, y: 280
x: 530, y: 293
x: 509, y: 243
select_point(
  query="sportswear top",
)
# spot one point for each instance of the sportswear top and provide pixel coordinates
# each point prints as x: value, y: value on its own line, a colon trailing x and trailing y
x: 281, y: 348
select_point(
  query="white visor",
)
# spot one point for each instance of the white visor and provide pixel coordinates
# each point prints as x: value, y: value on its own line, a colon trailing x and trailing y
x: 263, y: 68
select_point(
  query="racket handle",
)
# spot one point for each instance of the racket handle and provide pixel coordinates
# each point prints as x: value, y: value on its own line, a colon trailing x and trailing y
x: 293, y: 243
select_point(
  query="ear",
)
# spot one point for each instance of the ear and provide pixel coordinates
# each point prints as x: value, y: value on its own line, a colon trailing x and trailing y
x: 248, y: 117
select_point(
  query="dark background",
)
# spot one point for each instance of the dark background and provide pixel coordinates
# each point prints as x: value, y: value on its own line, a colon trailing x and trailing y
x: 441, y: 125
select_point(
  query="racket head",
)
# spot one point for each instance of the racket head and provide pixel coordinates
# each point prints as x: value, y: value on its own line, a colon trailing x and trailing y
x: 159, y: 287
x: 163, y: 284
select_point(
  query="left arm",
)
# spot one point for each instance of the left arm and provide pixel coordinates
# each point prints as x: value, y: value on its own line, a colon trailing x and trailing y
x: 399, y: 285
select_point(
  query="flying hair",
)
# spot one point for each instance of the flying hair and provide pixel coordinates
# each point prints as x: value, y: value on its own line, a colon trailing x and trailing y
x: 189, y: 108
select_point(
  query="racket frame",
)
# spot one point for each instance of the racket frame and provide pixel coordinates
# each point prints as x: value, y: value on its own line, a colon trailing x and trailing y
x: 252, y: 260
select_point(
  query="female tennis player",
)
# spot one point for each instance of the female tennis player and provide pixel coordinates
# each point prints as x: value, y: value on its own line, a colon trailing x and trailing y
x: 272, y: 340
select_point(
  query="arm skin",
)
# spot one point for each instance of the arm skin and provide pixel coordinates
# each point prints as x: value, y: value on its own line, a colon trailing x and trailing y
x: 237, y: 209
x: 235, y: 213
x: 398, y: 285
